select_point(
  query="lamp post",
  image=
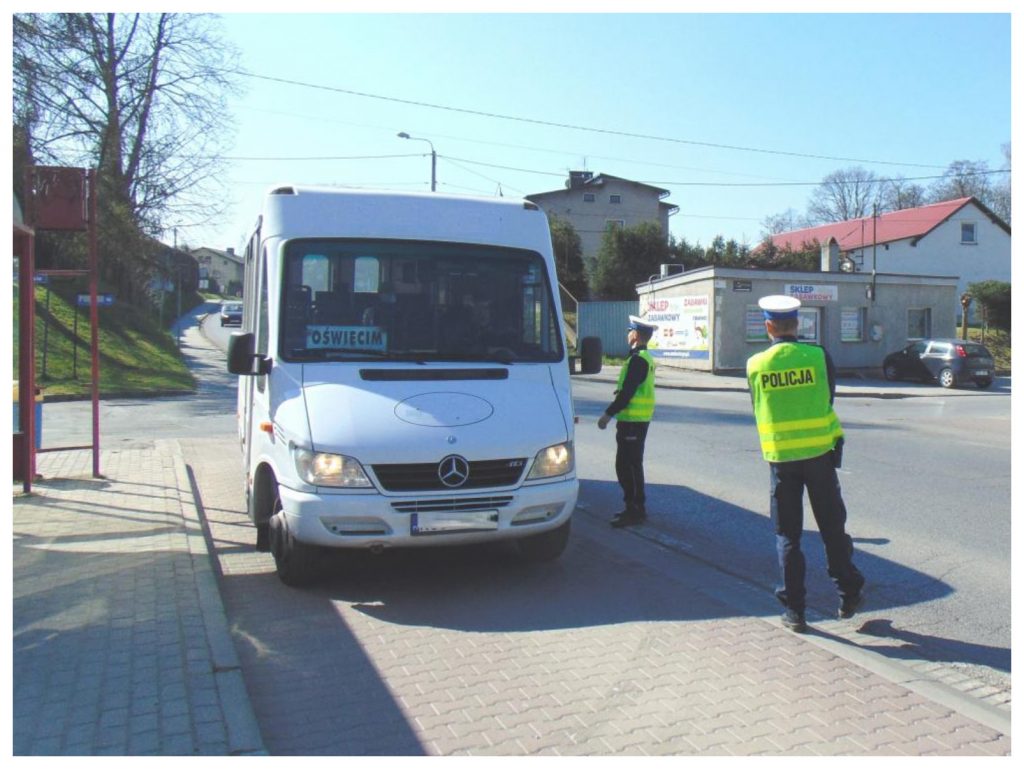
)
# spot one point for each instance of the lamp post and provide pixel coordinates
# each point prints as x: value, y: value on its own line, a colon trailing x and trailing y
x: 433, y: 158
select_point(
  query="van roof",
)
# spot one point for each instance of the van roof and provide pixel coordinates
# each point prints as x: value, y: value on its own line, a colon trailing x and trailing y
x: 291, y: 211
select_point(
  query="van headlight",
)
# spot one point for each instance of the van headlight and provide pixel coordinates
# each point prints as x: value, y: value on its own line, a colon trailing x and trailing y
x: 552, y: 461
x: 320, y: 469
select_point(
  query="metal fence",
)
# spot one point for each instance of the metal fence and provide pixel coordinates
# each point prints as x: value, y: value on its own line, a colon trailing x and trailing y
x: 607, y: 320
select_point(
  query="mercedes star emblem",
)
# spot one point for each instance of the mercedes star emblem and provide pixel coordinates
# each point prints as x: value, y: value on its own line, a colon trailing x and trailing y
x: 453, y: 471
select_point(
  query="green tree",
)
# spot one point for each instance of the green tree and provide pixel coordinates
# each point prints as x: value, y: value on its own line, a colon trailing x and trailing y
x: 628, y: 256
x: 568, y: 257
x: 772, y: 257
x: 994, y: 298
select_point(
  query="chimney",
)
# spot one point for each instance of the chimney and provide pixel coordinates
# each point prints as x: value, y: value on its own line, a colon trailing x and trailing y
x: 231, y: 250
x: 579, y: 178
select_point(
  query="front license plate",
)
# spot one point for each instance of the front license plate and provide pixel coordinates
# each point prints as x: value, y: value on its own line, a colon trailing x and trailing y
x: 444, y: 523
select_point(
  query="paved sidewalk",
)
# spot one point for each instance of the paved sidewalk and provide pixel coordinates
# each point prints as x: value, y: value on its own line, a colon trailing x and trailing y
x: 120, y: 645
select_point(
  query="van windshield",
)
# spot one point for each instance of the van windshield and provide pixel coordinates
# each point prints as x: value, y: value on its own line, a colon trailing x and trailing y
x: 416, y: 301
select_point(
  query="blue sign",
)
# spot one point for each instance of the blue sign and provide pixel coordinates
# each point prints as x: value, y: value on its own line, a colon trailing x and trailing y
x: 41, y: 279
x: 102, y: 300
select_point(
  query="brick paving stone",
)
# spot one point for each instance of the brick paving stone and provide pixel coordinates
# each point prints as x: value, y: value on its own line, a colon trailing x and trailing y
x: 102, y: 571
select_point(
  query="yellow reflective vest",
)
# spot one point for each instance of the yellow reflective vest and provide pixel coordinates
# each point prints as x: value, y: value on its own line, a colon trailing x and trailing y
x: 790, y: 391
x: 641, y: 406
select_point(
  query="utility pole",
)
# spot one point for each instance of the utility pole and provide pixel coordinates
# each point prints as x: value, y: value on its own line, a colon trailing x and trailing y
x: 874, y: 250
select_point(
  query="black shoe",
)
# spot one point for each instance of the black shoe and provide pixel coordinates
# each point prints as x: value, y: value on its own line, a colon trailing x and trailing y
x: 850, y: 604
x: 628, y: 518
x: 794, y: 620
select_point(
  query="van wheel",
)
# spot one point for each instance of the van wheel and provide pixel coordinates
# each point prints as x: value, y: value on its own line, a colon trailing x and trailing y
x: 297, y: 564
x: 546, y: 546
x: 983, y: 383
x: 946, y: 378
x: 262, y: 537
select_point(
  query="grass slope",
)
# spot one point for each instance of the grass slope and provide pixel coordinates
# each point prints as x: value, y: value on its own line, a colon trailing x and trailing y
x: 136, y: 355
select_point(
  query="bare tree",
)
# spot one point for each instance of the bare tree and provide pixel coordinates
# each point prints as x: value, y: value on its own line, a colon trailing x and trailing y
x: 787, y: 221
x: 846, y: 194
x: 898, y: 193
x: 1001, y: 189
x: 963, y: 178
x: 142, y: 97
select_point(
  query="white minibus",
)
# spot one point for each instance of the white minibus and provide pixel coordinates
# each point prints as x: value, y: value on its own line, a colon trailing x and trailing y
x: 404, y: 376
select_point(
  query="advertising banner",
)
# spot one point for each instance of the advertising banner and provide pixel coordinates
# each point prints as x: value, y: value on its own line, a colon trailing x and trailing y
x: 684, y: 326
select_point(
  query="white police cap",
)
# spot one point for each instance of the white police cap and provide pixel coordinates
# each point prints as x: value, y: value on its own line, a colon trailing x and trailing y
x: 638, y: 324
x: 779, y: 306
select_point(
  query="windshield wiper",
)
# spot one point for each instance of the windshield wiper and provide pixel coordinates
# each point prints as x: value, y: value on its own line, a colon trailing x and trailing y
x: 301, y: 353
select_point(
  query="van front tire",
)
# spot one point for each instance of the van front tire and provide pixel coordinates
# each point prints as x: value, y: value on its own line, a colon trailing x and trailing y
x: 297, y: 564
x: 546, y: 546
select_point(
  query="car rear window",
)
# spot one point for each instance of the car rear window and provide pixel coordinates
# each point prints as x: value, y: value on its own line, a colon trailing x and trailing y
x: 976, y: 351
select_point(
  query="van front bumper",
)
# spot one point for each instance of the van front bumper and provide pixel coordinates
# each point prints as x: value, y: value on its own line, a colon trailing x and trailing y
x: 348, y: 520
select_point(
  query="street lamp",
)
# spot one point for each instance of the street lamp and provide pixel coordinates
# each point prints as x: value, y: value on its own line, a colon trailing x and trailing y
x: 433, y: 158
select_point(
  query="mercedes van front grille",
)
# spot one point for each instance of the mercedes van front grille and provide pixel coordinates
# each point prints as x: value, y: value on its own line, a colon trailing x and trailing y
x: 451, y: 505
x: 427, y: 476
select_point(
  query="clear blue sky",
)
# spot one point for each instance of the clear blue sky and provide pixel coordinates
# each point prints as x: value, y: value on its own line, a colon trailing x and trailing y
x: 899, y: 94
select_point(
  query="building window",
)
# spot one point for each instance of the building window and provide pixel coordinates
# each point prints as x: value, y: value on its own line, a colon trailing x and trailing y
x: 852, y: 321
x: 615, y: 198
x: 588, y: 197
x: 919, y: 323
x: 614, y: 224
x: 968, y: 233
x: 810, y: 322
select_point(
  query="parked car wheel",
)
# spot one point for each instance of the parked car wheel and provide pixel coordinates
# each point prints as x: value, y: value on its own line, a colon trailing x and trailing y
x: 891, y: 372
x: 984, y: 383
x: 946, y: 377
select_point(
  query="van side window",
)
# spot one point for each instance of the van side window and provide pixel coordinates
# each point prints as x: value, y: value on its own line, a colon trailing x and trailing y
x: 262, y: 318
x: 262, y: 313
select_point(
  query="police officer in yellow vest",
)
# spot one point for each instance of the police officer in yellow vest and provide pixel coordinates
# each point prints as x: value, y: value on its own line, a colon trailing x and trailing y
x: 632, y: 408
x: 792, y: 385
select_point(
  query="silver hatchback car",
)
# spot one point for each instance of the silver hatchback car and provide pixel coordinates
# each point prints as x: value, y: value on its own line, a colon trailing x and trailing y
x: 950, y: 361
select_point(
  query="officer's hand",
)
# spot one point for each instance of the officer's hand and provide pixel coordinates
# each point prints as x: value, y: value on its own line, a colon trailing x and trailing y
x: 603, y: 421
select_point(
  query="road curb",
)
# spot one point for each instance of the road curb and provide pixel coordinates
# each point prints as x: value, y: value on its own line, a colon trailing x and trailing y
x: 243, y: 732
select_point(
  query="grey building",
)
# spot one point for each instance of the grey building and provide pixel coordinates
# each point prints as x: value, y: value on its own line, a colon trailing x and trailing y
x: 709, y: 318
x: 593, y: 203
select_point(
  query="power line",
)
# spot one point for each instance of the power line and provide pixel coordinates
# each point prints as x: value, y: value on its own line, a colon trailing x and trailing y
x: 554, y: 124
x: 718, y: 184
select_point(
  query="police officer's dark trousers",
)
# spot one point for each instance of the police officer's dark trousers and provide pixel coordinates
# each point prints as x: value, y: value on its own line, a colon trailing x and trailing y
x: 818, y: 476
x: 630, y: 438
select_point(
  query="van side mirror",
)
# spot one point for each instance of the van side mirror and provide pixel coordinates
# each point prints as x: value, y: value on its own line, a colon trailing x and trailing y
x: 590, y: 355
x: 242, y: 357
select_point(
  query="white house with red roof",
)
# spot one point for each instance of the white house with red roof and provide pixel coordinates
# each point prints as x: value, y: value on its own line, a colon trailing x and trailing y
x: 959, y: 237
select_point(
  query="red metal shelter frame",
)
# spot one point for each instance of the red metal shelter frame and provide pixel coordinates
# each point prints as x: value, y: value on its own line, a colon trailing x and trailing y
x: 57, y: 199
